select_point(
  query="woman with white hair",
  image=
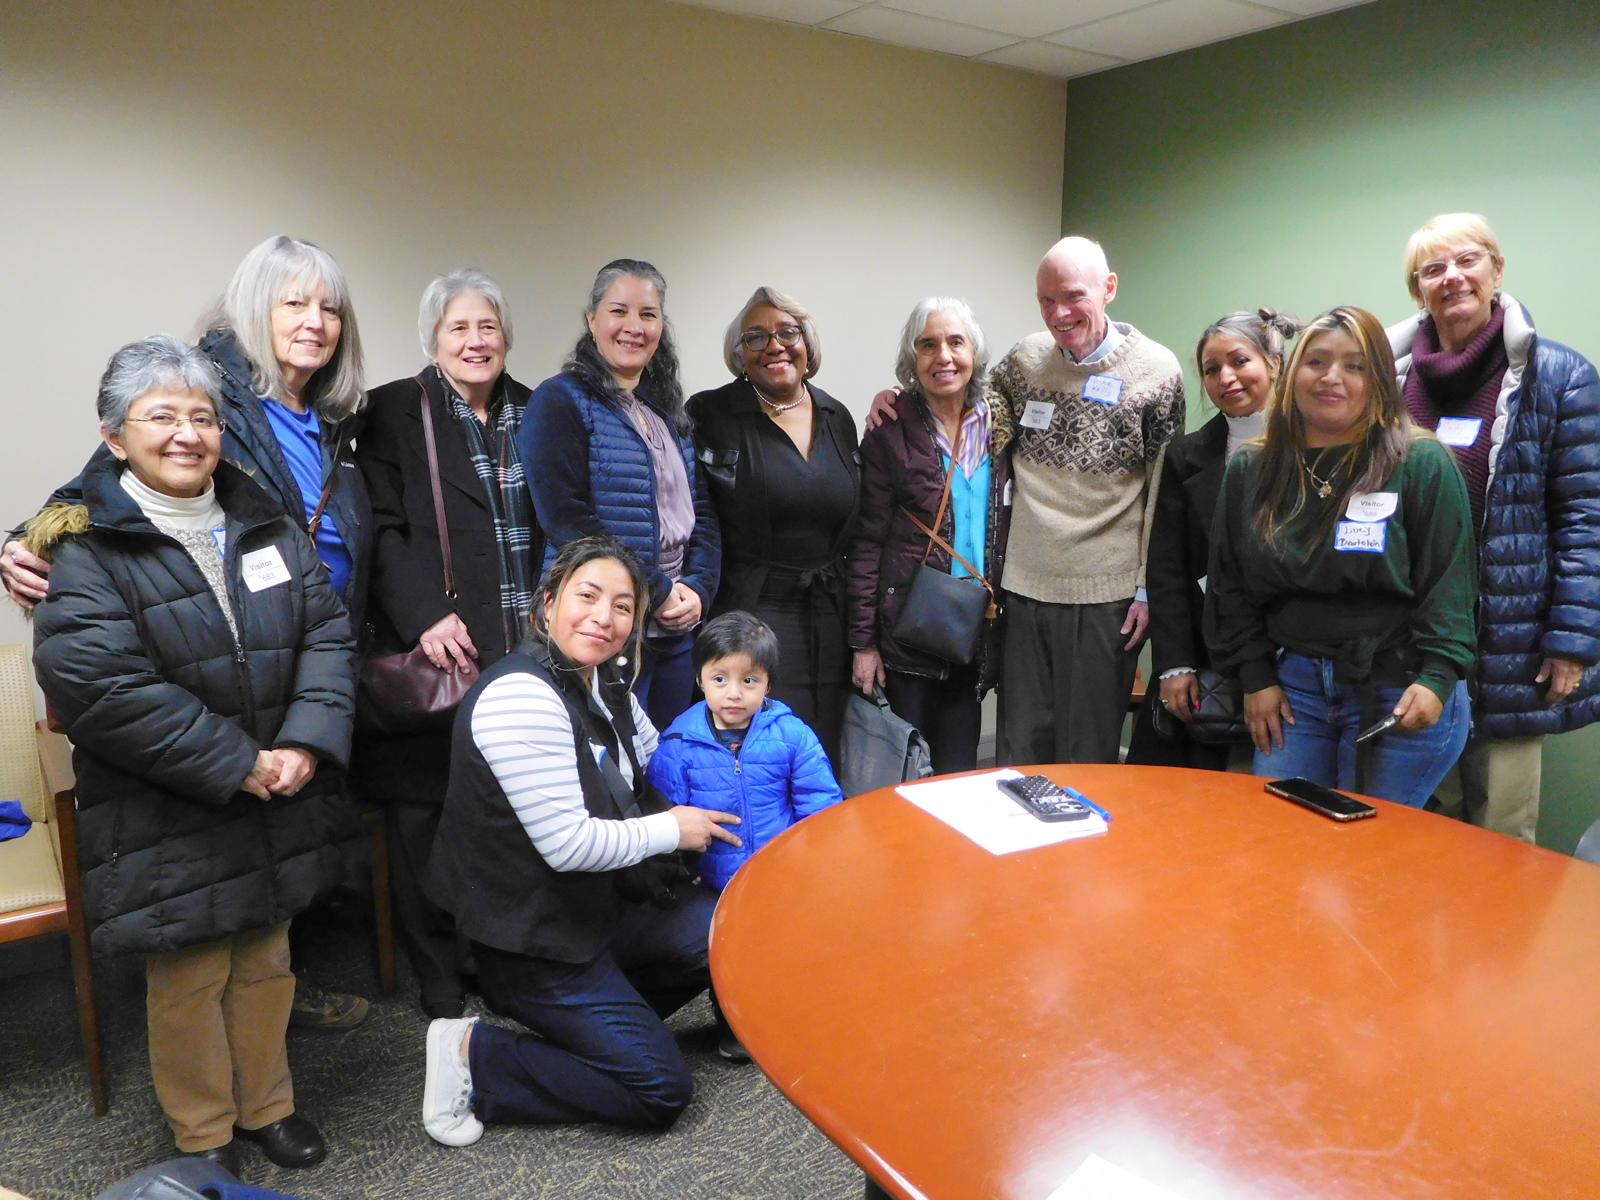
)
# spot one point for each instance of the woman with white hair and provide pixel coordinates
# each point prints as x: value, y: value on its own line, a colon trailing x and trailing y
x: 930, y: 485
x: 201, y: 663
x: 1522, y: 415
x: 471, y: 408
x: 779, y: 455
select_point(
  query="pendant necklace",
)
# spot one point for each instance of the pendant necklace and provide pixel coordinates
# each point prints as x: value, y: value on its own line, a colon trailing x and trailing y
x: 774, y: 406
x: 1324, y: 486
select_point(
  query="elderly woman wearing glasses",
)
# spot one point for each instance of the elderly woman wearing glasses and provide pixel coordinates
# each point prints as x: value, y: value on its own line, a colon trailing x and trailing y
x: 195, y: 649
x: 1522, y: 414
x: 779, y: 454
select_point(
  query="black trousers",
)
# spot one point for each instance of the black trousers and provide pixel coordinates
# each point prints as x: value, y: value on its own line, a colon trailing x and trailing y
x: 1066, y: 680
x: 945, y: 711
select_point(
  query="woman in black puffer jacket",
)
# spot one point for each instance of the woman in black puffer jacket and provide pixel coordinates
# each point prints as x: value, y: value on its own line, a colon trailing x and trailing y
x: 193, y: 646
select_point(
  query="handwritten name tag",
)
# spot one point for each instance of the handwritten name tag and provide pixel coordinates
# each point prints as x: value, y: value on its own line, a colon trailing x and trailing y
x: 1360, y: 537
x: 263, y: 569
x: 1459, y: 431
x: 1102, y: 389
x: 1037, y: 413
x: 1372, y: 506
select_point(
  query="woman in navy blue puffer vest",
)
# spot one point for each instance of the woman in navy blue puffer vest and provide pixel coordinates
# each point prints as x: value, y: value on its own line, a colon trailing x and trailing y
x: 607, y: 450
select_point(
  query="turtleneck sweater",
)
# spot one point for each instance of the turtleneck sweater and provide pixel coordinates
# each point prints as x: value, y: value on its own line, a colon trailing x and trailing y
x: 197, y: 524
x: 1243, y: 429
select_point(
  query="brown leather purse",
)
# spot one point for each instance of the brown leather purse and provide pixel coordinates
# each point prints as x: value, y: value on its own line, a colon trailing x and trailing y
x: 405, y: 693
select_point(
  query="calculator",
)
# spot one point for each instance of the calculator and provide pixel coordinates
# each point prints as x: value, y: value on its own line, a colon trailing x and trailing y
x: 1044, y: 799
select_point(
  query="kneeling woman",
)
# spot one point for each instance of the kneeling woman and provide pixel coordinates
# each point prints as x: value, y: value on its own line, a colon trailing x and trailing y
x: 194, y: 647
x: 549, y: 855
x: 1342, y: 578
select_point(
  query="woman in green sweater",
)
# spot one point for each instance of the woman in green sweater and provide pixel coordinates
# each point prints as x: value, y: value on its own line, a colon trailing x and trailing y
x: 1342, y: 575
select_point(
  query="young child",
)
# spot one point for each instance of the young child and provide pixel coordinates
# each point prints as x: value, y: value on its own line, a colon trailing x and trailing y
x: 740, y: 751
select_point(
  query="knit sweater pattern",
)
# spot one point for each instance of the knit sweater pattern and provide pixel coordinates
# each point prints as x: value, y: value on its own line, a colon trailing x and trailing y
x: 1086, y: 482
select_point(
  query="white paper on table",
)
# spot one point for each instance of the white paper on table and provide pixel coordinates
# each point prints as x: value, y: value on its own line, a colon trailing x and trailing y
x: 1098, y: 1179
x: 975, y: 807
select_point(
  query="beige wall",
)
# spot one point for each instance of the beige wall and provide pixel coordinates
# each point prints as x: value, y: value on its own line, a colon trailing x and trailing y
x: 146, y: 145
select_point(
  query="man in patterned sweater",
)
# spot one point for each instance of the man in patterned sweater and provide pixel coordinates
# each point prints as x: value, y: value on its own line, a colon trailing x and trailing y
x: 1087, y: 407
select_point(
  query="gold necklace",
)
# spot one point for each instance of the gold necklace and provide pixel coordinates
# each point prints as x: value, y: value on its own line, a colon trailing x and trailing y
x: 774, y: 406
x: 1324, y: 486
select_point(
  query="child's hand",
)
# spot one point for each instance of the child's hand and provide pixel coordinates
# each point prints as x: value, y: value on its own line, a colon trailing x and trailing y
x: 697, y: 827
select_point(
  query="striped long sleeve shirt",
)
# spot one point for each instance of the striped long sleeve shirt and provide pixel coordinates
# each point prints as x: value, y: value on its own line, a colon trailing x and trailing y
x: 521, y: 726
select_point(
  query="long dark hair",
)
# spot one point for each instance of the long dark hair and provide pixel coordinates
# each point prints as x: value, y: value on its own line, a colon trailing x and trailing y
x: 1365, y: 465
x: 659, y: 385
x: 578, y: 553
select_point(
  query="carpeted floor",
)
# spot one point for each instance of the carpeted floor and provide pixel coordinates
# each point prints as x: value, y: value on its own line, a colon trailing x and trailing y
x: 739, y: 1139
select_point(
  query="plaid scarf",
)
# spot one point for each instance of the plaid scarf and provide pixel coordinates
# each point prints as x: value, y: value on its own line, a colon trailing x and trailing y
x: 974, y: 437
x: 493, y: 450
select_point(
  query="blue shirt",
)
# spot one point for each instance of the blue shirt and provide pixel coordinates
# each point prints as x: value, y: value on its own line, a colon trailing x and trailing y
x: 969, y: 507
x: 300, y: 438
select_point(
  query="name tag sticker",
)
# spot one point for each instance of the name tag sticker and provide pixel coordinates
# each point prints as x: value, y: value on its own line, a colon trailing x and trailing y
x: 1102, y: 389
x: 1005, y: 496
x: 263, y: 569
x: 1360, y: 537
x: 1372, y: 506
x: 220, y: 537
x: 599, y: 752
x: 1037, y: 413
x: 1459, y: 431
x: 1202, y: 582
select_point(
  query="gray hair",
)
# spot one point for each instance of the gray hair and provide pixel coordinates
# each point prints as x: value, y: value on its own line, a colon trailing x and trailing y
x: 1266, y: 329
x: 262, y: 279
x: 905, y: 361
x: 785, y: 304
x: 155, y: 364
x: 439, y: 294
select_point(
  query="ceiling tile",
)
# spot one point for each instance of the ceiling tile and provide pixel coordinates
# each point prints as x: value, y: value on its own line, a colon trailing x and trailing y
x: 802, y: 12
x: 1168, y: 26
x: 1049, y: 59
x: 923, y: 33
x: 1025, y: 18
x: 1311, y: 8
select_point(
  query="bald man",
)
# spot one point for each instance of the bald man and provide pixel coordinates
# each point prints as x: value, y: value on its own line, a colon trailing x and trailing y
x: 1087, y: 408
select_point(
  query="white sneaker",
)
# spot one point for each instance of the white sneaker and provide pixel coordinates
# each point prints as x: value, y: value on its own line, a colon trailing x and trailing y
x: 447, y: 1091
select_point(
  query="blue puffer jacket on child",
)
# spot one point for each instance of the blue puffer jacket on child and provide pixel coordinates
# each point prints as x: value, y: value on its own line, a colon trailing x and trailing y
x: 781, y: 775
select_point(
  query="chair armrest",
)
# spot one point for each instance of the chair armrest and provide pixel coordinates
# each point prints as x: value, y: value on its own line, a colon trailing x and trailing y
x: 55, y: 759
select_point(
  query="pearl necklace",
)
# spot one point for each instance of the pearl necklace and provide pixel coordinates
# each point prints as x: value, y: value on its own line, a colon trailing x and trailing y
x: 774, y: 406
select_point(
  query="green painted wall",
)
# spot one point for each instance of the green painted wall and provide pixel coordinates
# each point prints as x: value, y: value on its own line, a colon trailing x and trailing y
x: 1289, y: 167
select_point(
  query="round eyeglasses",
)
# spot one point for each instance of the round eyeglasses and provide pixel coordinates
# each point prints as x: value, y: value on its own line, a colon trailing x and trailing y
x: 755, y: 340
x: 202, y: 423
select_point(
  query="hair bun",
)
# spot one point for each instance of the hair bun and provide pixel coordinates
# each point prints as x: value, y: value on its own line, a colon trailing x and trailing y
x: 1285, y: 324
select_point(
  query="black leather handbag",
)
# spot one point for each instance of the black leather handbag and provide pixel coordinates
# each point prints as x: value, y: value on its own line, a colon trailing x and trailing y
x: 1218, y: 720
x: 944, y: 615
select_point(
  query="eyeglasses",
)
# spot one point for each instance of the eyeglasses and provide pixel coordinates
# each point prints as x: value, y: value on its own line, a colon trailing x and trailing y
x: 202, y: 423
x: 1467, y: 260
x: 755, y: 340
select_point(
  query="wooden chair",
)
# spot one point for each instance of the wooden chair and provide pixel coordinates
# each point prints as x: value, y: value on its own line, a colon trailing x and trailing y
x: 40, y: 892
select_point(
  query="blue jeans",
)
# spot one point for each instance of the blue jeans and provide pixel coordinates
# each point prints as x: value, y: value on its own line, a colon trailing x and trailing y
x: 1321, y: 744
x: 665, y: 686
x: 599, y: 1050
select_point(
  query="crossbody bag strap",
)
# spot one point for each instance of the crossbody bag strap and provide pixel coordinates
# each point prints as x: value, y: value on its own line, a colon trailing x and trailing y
x: 944, y: 500
x: 315, y: 523
x: 438, y: 491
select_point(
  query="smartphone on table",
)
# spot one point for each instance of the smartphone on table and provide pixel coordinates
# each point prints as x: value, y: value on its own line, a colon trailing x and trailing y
x: 1319, y: 799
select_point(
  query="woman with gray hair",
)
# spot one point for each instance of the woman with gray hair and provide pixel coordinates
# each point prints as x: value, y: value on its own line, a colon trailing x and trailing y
x: 779, y: 456
x: 930, y: 473
x: 284, y: 342
x: 474, y: 409
x: 194, y: 648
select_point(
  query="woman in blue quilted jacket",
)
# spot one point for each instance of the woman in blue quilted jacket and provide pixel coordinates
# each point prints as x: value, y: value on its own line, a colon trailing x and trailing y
x: 1522, y: 415
x: 607, y: 449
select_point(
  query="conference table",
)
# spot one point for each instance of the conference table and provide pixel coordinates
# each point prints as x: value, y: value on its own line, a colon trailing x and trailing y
x: 1224, y: 996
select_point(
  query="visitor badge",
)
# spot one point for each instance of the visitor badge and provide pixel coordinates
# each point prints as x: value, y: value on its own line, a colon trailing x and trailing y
x: 1360, y: 537
x: 1102, y: 389
x: 220, y: 537
x: 1372, y: 506
x: 1459, y: 431
x: 263, y: 569
x: 1037, y: 413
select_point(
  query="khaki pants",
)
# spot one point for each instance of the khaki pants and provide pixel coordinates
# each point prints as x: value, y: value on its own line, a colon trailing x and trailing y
x: 1495, y: 785
x: 218, y: 1013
